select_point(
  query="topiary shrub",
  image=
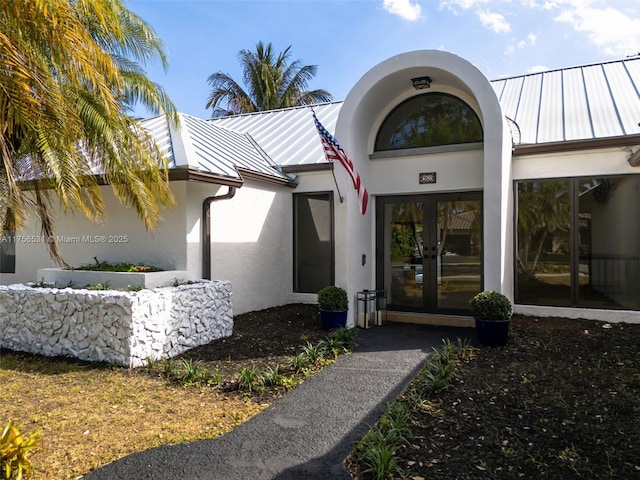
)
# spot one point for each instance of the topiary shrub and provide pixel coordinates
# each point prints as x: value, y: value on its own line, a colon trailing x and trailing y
x: 333, y: 299
x: 490, y: 305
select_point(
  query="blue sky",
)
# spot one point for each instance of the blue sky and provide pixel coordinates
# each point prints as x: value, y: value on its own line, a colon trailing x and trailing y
x: 345, y: 38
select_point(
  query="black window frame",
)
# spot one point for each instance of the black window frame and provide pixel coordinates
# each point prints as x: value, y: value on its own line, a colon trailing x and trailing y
x: 440, y: 96
x: 296, y: 274
x: 574, y: 299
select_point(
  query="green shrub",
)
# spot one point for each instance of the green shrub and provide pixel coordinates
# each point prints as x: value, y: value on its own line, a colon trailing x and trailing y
x: 490, y: 305
x: 192, y: 372
x: 249, y: 378
x: 299, y: 362
x: 118, y: 267
x: 333, y: 299
x: 100, y: 286
x: 345, y: 336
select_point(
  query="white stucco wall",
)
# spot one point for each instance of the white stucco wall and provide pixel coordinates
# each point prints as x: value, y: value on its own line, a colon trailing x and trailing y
x: 251, y: 243
x: 120, y: 237
x: 609, y: 161
x: 456, y: 171
x: 367, y: 104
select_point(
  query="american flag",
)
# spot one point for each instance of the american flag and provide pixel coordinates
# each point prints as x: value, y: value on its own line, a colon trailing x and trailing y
x: 333, y: 151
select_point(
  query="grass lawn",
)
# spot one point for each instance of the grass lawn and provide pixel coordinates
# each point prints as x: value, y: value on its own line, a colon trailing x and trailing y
x: 91, y: 414
x: 561, y: 400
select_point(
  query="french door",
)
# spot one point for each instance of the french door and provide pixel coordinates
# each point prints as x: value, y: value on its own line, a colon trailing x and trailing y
x: 429, y: 251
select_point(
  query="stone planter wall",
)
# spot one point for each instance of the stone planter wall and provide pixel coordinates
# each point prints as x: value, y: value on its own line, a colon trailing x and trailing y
x: 124, y: 328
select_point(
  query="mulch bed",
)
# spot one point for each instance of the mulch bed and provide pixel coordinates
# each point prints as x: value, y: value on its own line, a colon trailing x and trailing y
x: 561, y: 400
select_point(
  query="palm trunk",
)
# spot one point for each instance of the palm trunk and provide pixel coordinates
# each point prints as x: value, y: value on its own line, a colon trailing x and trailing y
x: 4, y: 195
x: 6, y: 149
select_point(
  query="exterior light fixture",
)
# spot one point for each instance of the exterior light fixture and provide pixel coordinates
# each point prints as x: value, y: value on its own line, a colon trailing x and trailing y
x: 420, y: 83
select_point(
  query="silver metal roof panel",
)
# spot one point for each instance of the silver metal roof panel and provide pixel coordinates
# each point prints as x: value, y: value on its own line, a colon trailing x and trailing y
x: 159, y: 128
x: 527, y: 116
x: 578, y: 103
x: 222, y: 151
x: 601, y: 106
x: 625, y: 95
x: 511, y: 91
x: 551, y: 115
x: 289, y: 135
x: 577, y: 120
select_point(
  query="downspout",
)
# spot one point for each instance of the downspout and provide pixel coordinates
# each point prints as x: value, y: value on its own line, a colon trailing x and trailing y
x: 206, y: 229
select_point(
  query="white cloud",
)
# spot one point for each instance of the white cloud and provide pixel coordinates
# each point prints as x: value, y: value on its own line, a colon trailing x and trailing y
x: 610, y: 29
x: 537, y: 69
x: 494, y: 21
x: 403, y: 8
x: 515, y: 44
x: 463, y: 4
x: 547, y: 5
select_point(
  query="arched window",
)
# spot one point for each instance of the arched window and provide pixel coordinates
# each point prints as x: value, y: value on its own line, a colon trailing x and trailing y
x: 429, y: 120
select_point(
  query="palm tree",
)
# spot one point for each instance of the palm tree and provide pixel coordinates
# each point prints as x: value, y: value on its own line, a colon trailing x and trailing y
x: 70, y: 70
x: 271, y: 83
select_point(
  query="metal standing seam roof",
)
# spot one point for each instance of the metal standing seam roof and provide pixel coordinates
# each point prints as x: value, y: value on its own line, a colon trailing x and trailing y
x: 586, y: 102
x: 577, y: 103
x: 159, y: 128
x: 289, y: 136
x: 210, y: 148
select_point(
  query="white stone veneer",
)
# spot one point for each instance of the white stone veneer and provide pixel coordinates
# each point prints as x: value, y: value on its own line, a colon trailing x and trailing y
x: 124, y: 328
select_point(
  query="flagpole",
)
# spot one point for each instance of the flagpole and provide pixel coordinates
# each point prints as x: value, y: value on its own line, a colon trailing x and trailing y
x: 333, y: 172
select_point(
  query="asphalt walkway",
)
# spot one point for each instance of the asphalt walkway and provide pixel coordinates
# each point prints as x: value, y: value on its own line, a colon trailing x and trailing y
x: 306, y: 434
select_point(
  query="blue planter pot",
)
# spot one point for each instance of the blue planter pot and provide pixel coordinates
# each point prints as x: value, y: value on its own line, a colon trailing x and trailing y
x: 332, y: 320
x: 492, y: 333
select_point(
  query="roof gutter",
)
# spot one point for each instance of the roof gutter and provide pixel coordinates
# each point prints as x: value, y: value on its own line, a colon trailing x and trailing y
x: 206, y: 229
x: 573, y: 145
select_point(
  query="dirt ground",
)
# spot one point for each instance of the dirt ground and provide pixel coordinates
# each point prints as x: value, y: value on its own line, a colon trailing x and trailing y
x: 561, y: 400
x: 264, y: 338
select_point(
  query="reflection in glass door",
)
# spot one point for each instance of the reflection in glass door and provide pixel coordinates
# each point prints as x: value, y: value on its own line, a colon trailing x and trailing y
x: 459, y: 266
x: 403, y: 253
x: 429, y: 251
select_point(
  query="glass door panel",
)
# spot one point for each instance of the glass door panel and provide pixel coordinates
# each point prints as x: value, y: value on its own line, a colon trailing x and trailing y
x: 459, y: 253
x: 543, y: 273
x: 429, y: 251
x: 608, y: 274
x: 403, y: 275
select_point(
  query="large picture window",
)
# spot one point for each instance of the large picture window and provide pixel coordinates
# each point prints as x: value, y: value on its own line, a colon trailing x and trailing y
x: 429, y: 120
x: 578, y: 242
x: 313, y: 241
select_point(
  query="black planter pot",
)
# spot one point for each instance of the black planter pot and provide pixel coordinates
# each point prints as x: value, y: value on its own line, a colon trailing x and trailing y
x: 492, y: 333
x: 332, y: 320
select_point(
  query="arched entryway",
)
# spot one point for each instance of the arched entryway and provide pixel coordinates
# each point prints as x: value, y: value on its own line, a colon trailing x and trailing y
x: 412, y: 160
